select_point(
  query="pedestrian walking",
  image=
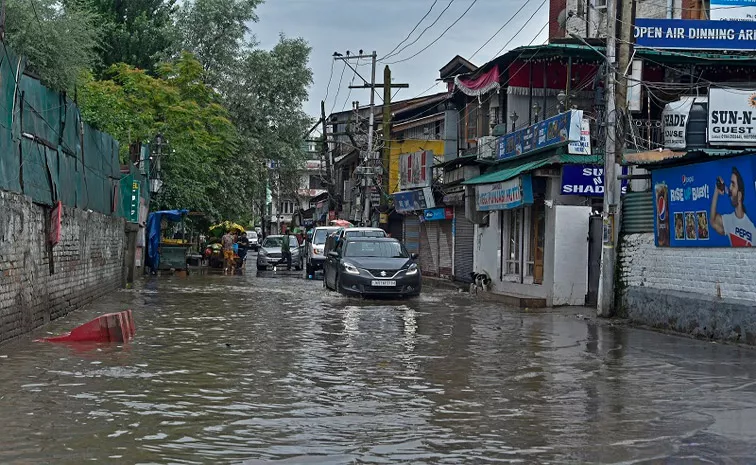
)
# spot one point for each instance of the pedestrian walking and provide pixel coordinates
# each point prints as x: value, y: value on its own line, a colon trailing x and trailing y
x: 243, y: 243
x: 227, y: 241
x: 286, y: 251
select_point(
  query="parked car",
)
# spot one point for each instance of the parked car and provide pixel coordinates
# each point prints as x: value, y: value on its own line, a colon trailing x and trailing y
x: 270, y: 252
x: 347, y: 233
x: 315, y: 248
x: 372, y: 266
x: 254, y: 241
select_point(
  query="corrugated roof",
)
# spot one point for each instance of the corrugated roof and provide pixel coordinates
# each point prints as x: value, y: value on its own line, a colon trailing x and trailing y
x: 514, y: 170
x: 666, y: 156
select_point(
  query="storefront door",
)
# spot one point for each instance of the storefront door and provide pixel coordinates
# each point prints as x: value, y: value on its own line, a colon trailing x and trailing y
x: 523, y: 236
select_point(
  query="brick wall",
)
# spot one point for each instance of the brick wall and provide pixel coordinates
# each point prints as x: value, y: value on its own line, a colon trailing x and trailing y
x: 88, y: 263
x: 708, y: 292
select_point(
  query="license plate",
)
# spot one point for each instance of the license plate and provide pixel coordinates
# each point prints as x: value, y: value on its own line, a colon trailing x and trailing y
x: 383, y: 283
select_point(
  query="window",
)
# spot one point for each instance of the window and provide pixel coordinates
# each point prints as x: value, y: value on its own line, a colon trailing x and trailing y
x: 321, y: 234
x: 472, y: 121
x: 287, y: 208
x: 513, y: 223
x: 383, y: 249
x: 316, y: 182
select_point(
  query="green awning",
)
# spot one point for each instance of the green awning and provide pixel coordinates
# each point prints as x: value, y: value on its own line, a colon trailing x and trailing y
x: 513, y: 170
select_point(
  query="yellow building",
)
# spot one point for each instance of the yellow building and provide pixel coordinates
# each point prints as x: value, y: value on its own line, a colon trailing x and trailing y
x: 409, y: 146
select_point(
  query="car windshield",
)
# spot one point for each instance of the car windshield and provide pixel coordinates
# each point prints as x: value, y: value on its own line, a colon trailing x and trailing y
x: 376, y: 249
x: 252, y: 235
x: 321, y: 235
x: 276, y: 241
x: 364, y: 234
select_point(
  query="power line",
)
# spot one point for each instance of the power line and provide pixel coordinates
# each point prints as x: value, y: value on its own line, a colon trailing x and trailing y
x: 338, y: 89
x: 328, y: 87
x: 422, y: 33
x: 502, y: 27
x: 439, y: 37
x: 412, y: 31
x: 520, y: 30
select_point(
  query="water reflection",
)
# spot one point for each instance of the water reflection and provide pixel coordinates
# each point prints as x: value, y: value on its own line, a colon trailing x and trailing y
x: 261, y: 369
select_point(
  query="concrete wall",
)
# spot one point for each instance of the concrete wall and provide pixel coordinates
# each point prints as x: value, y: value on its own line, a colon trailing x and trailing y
x: 708, y: 292
x: 88, y: 263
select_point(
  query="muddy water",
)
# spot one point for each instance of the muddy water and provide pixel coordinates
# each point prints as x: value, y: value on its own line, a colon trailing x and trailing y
x: 265, y: 369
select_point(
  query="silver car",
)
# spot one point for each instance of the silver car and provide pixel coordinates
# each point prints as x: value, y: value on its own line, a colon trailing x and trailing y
x: 270, y: 253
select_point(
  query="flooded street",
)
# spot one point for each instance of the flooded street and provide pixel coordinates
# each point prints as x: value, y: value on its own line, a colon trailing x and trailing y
x: 252, y: 369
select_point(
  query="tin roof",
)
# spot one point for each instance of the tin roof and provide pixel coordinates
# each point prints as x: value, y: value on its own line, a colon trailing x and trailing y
x: 514, y: 169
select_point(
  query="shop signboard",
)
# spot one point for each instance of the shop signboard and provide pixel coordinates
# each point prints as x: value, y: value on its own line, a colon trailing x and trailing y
x: 706, y: 204
x: 504, y: 195
x: 675, y: 123
x: 586, y: 180
x: 132, y: 215
x: 418, y: 199
x: 733, y: 10
x: 415, y: 170
x: 559, y: 129
x: 438, y: 214
x: 582, y: 146
x: 732, y: 117
x: 695, y: 34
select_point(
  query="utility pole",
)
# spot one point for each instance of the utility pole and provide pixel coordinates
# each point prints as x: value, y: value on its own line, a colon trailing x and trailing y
x: 366, y: 214
x: 386, y: 139
x: 327, y: 156
x: 614, y: 144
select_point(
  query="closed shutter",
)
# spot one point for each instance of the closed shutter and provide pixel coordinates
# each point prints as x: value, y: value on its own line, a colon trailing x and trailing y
x: 464, y: 231
x: 412, y: 233
x: 429, y: 248
x: 445, y: 248
x: 637, y: 213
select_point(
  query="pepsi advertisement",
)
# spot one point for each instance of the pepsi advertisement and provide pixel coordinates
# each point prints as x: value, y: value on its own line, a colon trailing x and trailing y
x: 708, y: 204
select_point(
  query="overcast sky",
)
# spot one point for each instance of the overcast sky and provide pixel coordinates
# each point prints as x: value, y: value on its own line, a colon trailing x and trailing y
x: 340, y: 25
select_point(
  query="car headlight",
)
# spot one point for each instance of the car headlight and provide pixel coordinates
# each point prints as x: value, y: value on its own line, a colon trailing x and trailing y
x: 317, y: 252
x: 349, y: 268
x: 412, y: 270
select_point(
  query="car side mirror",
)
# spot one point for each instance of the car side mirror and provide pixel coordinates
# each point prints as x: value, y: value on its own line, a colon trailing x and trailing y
x: 414, y: 256
x: 333, y: 254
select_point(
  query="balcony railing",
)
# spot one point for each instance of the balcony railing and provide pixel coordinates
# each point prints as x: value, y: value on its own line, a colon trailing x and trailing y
x: 645, y: 134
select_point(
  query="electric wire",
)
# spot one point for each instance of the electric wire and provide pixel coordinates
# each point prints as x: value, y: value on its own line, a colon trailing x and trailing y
x: 421, y: 34
x: 412, y: 31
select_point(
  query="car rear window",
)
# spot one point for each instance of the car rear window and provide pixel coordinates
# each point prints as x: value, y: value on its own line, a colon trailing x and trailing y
x: 365, y: 234
x: 321, y: 235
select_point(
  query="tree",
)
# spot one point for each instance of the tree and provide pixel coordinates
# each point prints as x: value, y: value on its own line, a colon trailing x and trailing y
x: 216, y: 32
x: 137, y: 32
x: 201, y: 140
x: 59, y: 41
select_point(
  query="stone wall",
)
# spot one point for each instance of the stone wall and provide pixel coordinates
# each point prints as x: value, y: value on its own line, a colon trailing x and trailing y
x: 86, y: 264
x: 707, y: 292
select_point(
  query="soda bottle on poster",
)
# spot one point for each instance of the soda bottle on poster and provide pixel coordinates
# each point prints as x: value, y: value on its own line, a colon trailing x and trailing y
x: 662, y: 215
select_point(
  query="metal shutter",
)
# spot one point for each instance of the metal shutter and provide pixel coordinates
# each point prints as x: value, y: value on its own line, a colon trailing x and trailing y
x: 464, y: 237
x: 429, y: 248
x: 412, y: 233
x: 638, y: 212
x: 445, y: 248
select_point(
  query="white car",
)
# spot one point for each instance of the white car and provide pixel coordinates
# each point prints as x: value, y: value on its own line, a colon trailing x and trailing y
x: 315, y: 256
x: 254, y: 243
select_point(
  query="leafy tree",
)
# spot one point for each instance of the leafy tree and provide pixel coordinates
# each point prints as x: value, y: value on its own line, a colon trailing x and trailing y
x: 137, y: 32
x: 201, y: 140
x: 59, y: 41
x: 216, y: 32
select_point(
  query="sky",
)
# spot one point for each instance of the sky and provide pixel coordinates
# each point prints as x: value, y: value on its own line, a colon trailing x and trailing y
x: 380, y: 25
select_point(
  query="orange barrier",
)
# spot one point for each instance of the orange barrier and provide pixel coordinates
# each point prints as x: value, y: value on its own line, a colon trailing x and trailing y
x: 111, y: 327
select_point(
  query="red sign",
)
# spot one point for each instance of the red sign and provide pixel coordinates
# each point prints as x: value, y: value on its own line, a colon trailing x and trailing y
x: 56, y: 218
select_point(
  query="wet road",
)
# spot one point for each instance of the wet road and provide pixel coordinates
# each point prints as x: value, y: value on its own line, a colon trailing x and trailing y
x: 275, y: 369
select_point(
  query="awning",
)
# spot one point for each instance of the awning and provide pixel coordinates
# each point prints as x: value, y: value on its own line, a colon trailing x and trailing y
x: 666, y: 156
x: 514, y: 170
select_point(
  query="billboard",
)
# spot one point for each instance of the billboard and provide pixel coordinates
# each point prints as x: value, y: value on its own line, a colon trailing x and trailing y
x: 732, y: 117
x: 564, y: 127
x: 504, y: 195
x: 706, y: 204
x: 733, y: 10
x: 415, y: 170
x: 438, y: 214
x: 695, y: 34
x: 419, y: 199
x: 675, y: 122
x: 586, y: 180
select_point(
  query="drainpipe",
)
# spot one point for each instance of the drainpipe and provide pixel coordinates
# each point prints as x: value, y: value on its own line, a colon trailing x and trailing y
x: 670, y: 9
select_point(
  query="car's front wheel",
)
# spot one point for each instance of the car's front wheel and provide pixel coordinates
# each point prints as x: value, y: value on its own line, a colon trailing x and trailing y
x: 262, y: 268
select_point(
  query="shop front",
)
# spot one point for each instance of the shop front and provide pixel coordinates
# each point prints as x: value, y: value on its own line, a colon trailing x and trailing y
x: 436, y: 241
x: 531, y: 240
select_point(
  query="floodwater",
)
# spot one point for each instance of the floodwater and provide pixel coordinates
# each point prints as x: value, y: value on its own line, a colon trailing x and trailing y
x: 250, y: 369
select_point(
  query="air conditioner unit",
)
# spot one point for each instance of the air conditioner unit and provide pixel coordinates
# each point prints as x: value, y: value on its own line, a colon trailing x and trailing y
x: 487, y: 147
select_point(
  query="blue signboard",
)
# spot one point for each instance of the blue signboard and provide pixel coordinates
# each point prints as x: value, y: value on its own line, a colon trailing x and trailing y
x: 586, y: 180
x: 556, y: 130
x: 504, y: 195
x: 706, y: 204
x: 695, y: 34
x: 419, y: 199
x: 438, y: 214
